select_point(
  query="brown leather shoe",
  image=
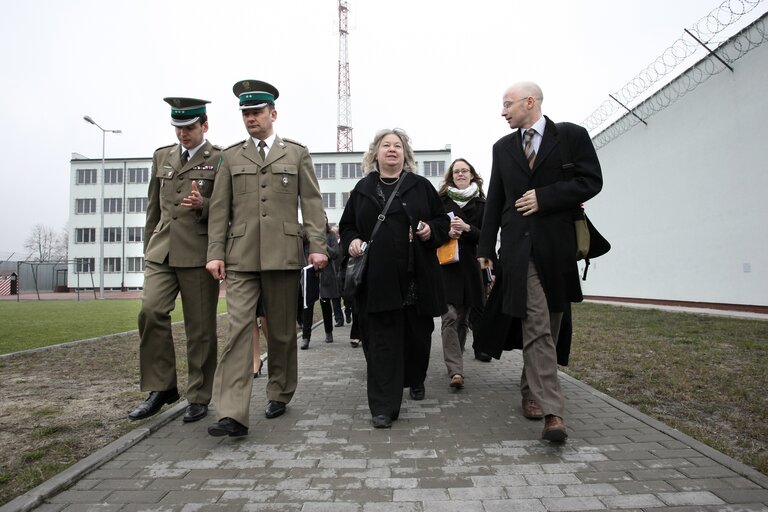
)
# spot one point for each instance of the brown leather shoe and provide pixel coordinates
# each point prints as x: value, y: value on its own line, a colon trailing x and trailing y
x: 531, y: 410
x: 457, y: 381
x: 554, y: 429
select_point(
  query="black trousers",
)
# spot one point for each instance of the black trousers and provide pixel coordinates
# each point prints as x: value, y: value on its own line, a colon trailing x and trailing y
x: 397, y: 345
x: 306, y: 322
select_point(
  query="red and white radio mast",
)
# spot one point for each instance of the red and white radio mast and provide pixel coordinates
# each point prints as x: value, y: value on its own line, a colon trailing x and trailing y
x: 344, y: 124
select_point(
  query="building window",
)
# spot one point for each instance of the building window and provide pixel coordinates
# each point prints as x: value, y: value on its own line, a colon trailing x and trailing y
x: 85, y: 206
x: 111, y: 264
x: 113, y: 204
x: 351, y: 170
x: 434, y: 168
x: 325, y: 171
x: 137, y: 204
x: 84, y: 265
x: 344, y: 199
x: 135, y: 264
x: 329, y: 200
x: 85, y: 235
x: 86, y: 176
x: 138, y: 175
x: 113, y: 176
x: 135, y: 234
x: 112, y: 234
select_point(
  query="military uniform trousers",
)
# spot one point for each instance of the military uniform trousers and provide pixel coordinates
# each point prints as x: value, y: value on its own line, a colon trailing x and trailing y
x: 233, y: 382
x: 539, y: 380
x: 157, y: 358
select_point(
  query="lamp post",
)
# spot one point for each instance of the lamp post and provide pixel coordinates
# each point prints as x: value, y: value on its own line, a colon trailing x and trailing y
x: 101, y: 222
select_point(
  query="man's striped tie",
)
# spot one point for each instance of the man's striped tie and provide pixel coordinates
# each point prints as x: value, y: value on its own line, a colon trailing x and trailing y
x: 530, y: 153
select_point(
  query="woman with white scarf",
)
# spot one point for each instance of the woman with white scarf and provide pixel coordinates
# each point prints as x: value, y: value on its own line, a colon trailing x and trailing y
x: 464, y: 200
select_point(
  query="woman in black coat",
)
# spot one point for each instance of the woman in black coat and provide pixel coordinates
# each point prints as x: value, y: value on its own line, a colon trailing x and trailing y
x: 402, y: 289
x: 464, y: 201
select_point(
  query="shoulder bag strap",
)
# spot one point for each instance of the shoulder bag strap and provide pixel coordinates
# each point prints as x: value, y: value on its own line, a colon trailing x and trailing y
x: 383, y: 214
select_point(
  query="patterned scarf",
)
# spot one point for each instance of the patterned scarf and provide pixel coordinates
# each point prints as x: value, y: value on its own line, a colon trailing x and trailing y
x: 462, y: 197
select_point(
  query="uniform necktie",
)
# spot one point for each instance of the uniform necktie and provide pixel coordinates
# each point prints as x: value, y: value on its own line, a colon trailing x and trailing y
x: 184, y: 157
x: 530, y: 153
x: 262, y: 154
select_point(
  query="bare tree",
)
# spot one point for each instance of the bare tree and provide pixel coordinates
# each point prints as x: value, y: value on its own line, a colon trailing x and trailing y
x: 44, y: 244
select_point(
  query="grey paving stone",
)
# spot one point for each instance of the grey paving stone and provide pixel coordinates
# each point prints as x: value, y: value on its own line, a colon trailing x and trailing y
x: 690, y: 498
x: 590, y: 490
x: 195, y: 496
x: 572, y: 504
x: 393, y: 507
x: 453, y: 506
x: 646, y: 486
x: 742, y: 495
x: 79, y: 497
x: 514, y: 505
x: 627, y: 501
x: 331, y: 507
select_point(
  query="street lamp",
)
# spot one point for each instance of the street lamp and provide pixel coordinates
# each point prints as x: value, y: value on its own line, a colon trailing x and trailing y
x: 101, y: 223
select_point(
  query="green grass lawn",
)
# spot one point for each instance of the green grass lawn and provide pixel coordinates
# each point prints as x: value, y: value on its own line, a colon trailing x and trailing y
x: 35, y: 324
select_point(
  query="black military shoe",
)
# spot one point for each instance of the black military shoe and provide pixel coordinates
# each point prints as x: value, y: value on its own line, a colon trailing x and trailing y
x: 228, y: 427
x: 274, y: 409
x: 195, y: 412
x: 154, y: 402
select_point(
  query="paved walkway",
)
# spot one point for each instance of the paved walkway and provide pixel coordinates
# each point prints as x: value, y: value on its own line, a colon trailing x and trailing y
x: 469, y: 450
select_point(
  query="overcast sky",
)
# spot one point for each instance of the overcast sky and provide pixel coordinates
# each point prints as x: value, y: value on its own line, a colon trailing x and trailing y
x: 437, y: 69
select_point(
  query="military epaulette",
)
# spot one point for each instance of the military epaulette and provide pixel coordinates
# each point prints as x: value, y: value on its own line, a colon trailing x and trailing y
x: 166, y: 147
x: 235, y: 144
x: 294, y: 142
x: 217, y: 147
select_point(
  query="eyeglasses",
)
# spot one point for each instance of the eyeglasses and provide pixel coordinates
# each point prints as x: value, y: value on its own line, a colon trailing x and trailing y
x: 461, y: 171
x: 508, y: 104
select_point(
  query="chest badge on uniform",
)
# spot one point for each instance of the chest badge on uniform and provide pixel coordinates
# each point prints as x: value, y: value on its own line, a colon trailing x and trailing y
x: 169, y: 173
x: 200, y: 183
x: 285, y: 181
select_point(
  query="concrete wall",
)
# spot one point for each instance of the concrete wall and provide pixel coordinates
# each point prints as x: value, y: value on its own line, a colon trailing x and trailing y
x: 684, y: 199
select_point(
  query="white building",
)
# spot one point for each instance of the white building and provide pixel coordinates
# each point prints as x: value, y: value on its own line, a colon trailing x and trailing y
x: 125, y: 204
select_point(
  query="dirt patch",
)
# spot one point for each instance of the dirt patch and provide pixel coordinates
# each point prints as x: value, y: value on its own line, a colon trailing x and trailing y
x: 60, y: 405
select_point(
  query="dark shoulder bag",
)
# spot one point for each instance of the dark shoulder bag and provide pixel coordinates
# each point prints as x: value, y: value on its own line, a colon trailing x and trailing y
x: 353, y: 277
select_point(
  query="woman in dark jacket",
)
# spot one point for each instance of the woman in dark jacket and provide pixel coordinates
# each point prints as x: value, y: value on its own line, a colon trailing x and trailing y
x: 402, y: 289
x: 464, y: 201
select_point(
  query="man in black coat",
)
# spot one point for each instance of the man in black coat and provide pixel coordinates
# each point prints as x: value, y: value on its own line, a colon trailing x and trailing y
x: 532, y: 195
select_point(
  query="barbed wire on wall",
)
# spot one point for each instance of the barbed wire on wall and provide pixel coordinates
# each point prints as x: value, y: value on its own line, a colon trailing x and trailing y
x: 706, y: 29
x: 748, y: 39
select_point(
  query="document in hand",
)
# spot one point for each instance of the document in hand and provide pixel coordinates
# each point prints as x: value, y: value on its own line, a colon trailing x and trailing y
x: 310, y: 289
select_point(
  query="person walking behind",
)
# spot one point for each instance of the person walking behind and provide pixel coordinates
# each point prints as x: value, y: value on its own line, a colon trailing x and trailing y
x: 329, y: 289
x: 255, y: 245
x: 175, y: 245
x: 464, y: 201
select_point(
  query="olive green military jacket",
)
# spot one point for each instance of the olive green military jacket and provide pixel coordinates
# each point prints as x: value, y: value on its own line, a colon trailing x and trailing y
x: 172, y: 230
x: 254, y: 220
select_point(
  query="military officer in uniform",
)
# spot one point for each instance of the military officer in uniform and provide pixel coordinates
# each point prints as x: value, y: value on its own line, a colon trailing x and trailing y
x: 255, y: 243
x: 175, y: 245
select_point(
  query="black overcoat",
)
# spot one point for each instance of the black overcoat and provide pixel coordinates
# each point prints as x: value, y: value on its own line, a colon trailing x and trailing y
x: 420, y: 201
x: 548, y: 235
x: 463, y: 280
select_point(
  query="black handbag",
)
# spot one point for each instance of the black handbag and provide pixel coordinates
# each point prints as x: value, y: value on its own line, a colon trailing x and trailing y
x: 356, y: 265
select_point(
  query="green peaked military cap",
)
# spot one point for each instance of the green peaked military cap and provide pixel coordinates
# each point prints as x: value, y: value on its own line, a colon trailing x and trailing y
x: 255, y: 94
x: 185, y: 111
